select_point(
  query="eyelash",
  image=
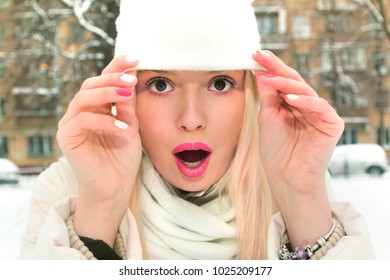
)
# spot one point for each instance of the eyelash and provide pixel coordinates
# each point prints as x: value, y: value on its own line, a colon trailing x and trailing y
x: 149, y: 83
x: 227, y: 79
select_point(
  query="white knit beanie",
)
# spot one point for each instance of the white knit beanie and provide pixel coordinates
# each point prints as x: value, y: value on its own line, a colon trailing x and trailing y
x: 204, y: 35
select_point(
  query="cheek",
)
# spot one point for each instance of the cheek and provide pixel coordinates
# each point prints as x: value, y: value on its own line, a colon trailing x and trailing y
x: 232, y: 118
x: 151, y: 121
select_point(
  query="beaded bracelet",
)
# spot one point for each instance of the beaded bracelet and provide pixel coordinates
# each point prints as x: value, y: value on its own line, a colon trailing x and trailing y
x: 78, y: 244
x: 309, y: 252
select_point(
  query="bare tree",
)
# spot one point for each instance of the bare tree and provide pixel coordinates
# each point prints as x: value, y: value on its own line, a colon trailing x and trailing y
x: 378, y: 11
x: 61, y: 43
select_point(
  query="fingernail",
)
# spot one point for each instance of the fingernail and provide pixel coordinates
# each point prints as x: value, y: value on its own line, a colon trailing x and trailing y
x: 264, y: 53
x: 269, y: 75
x: 124, y: 92
x: 128, y: 78
x: 131, y: 58
x: 120, y: 125
x: 292, y: 96
x: 114, y: 110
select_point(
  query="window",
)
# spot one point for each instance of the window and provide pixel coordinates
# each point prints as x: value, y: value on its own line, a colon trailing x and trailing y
x: 354, y: 59
x: 40, y: 146
x: 271, y: 20
x: 267, y: 23
x: 343, y: 22
x: 3, y: 146
x: 349, y: 136
x: 383, y: 136
x: 2, y: 70
x: 302, y: 63
x: 301, y: 27
x: 2, y: 108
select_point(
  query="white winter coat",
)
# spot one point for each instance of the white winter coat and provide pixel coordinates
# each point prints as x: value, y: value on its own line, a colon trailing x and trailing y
x: 54, y: 200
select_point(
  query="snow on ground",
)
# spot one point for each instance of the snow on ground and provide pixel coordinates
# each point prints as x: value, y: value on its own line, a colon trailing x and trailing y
x: 14, y: 207
x: 370, y: 196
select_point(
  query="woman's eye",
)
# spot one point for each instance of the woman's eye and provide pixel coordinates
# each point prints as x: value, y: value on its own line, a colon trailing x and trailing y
x: 221, y: 84
x: 159, y: 85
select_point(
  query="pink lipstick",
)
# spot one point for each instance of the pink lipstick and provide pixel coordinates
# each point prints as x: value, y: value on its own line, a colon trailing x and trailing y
x: 192, y: 158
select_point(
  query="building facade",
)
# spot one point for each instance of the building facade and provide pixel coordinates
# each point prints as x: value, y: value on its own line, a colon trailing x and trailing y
x: 45, y: 54
x: 342, y: 51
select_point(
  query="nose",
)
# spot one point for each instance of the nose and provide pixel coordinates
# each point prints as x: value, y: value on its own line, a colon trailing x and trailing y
x: 191, y: 115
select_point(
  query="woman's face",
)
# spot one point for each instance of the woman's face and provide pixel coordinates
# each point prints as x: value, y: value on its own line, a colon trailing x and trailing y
x: 190, y: 122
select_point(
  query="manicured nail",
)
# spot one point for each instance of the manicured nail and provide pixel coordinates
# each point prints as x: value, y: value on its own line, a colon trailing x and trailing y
x: 131, y: 58
x: 269, y: 75
x: 120, y: 125
x: 292, y: 96
x: 124, y: 92
x: 114, y: 110
x: 128, y: 78
x: 264, y: 53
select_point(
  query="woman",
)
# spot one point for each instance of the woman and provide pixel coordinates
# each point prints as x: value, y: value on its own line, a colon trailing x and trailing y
x: 185, y: 165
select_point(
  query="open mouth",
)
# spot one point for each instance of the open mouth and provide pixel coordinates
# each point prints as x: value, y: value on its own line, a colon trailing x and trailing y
x: 192, y: 159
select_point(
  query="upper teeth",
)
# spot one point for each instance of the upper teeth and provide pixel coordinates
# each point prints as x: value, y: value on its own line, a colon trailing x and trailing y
x: 193, y: 164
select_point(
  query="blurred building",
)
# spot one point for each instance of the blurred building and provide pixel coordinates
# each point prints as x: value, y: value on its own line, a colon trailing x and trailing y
x: 341, y: 51
x: 45, y: 54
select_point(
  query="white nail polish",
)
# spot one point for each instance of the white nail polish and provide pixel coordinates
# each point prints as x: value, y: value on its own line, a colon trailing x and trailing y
x: 128, y: 78
x: 120, y: 125
x: 114, y: 111
x: 292, y: 96
x: 264, y: 53
x: 131, y: 58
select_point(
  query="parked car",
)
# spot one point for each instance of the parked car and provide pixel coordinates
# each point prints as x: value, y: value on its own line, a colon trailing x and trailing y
x: 9, y: 172
x: 358, y: 159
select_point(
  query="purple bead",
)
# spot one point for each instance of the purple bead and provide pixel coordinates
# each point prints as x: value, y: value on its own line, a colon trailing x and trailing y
x: 301, y: 253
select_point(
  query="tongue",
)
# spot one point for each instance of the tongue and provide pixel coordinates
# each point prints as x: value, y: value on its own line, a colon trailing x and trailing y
x: 192, y: 156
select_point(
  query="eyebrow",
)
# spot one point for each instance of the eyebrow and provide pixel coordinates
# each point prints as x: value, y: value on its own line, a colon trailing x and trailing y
x: 170, y: 72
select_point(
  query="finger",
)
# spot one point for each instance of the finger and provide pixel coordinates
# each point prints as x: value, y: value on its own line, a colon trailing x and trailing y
x: 316, y: 109
x: 76, y: 130
x: 286, y: 85
x: 97, y: 100
x: 268, y: 95
x: 120, y: 63
x: 126, y: 109
x: 275, y: 65
x: 110, y: 80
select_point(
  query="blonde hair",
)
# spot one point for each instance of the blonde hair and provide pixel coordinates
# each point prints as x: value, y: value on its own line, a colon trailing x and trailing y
x: 246, y: 184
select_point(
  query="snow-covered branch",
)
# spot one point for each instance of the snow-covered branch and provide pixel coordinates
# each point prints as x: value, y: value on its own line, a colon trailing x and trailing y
x: 379, y: 15
x: 80, y: 8
x: 41, y: 12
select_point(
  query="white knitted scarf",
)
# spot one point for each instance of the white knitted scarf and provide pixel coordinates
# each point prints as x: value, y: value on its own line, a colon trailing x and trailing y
x: 175, y: 228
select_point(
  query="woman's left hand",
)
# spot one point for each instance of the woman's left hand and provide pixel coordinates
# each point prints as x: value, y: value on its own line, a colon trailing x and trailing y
x: 298, y: 133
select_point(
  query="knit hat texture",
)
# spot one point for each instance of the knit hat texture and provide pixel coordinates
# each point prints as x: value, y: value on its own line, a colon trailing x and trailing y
x: 204, y: 35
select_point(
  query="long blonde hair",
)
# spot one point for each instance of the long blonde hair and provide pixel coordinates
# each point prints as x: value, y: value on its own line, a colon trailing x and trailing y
x: 246, y: 184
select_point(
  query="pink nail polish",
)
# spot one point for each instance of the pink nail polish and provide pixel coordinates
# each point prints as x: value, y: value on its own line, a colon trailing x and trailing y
x: 269, y: 75
x: 124, y: 92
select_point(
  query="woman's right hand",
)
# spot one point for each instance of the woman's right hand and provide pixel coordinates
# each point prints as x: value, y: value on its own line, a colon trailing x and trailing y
x: 104, y: 151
